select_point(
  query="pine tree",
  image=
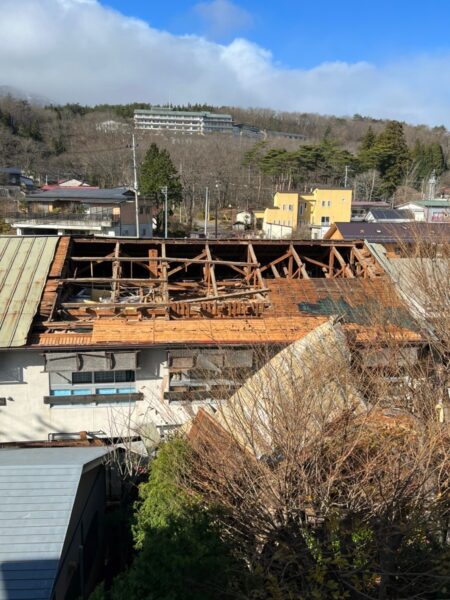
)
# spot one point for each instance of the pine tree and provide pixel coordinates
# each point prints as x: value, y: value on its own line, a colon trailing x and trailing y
x: 391, y: 157
x: 365, y: 155
x: 158, y: 171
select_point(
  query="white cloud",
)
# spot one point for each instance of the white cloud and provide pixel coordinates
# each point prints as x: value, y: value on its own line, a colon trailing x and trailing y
x: 80, y: 51
x: 222, y: 18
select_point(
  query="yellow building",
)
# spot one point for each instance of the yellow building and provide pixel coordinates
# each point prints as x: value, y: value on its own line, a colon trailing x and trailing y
x: 315, y: 211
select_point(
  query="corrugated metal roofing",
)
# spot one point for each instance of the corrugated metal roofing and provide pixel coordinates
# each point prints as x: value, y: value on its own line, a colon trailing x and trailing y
x: 24, y: 266
x: 38, y: 487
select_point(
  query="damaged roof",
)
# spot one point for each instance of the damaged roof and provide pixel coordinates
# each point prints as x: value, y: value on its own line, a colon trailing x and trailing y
x: 104, y: 293
x: 24, y: 266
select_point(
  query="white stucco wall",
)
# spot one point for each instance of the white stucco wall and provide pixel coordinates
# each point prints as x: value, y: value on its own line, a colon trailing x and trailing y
x: 26, y: 417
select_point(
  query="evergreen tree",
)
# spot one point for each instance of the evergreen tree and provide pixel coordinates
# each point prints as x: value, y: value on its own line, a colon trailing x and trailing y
x: 365, y: 157
x: 391, y: 157
x: 157, y: 171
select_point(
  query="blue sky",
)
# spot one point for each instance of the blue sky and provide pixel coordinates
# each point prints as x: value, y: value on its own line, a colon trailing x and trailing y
x: 304, y: 33
x: 376, y: 58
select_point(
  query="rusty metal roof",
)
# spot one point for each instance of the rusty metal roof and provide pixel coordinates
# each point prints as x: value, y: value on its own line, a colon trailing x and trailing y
x: 24, y: 266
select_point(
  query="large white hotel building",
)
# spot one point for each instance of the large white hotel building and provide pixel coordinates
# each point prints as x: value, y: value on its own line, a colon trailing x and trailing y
x: 177, y: 121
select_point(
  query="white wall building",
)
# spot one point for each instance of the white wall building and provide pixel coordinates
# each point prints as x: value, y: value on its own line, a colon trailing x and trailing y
x: 36, y: 400
x: 430, y: 211
x: 183, y: 122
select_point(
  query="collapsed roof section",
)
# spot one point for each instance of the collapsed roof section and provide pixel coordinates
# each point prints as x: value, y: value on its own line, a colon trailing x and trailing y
x: 188, y: 280
x: 137, y: 293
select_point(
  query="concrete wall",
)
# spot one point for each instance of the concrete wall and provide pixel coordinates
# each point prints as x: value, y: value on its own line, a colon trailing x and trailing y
x: 26, y: 417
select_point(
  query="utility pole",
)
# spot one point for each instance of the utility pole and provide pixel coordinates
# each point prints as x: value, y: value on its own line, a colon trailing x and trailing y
x: 216, y: 209
x: 206, y: 210
x: 136, y: 199
x: 346, y: 176
x: 164, y: 190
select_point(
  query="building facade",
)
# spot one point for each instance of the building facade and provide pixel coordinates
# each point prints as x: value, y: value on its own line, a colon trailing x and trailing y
x: 182, y: 122
x: 82, y: 210
x: 123, y: 338
x: 430, y: 211
x: 314, y: 212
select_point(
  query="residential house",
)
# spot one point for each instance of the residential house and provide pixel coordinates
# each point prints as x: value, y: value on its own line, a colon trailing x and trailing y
x: 13, y: 176
x: 314, y: 212
x: 118, y: 337
x: 361, y: 208
x: 430, y: 211
x: 52, y: 518
x: 394, y: 236
x: 388, y: 215
x: 67, y: 184
x: 80, y: 209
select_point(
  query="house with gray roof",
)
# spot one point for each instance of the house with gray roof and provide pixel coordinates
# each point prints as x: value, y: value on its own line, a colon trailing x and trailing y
x: 82, y: 210
x: 51, y: 522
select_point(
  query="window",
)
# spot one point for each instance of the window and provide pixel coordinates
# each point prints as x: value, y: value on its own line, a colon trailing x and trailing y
x: 329, y: 203
x: 82, y: 383
x: 291, y: 208
x: 11, y: 375
x: 324, y: 203
x: 325, y: 220
x: 81, y: 377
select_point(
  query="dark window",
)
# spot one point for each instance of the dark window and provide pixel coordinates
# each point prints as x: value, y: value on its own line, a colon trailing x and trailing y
x: 104, y: 377
x: 81, y: 377
x: 124, y: 376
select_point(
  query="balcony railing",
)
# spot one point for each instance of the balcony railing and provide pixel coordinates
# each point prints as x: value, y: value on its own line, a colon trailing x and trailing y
x: 96, y: 219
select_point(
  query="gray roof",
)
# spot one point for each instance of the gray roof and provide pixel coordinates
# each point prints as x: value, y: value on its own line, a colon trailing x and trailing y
x: 391, y: 232
x: 86, y: 195
x: 38, y: 487
x: 24, y: 266
x: 390, y: 214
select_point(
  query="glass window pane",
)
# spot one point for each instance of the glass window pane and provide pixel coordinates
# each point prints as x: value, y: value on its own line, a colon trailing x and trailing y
x: 81, y: 377
x: 123, y: 376
x: 106, y: 391
x: 81, y: 392
x: 104, y: 377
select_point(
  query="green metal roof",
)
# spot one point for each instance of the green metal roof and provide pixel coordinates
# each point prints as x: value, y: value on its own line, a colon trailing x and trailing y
x: 24, y: 266
x: 436, y: 203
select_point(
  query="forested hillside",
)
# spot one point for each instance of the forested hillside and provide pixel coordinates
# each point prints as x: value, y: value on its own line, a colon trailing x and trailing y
x: 381, y: 159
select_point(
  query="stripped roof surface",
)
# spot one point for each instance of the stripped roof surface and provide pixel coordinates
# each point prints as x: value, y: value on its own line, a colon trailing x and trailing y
x: 38, y: 488
x: 24, y: 266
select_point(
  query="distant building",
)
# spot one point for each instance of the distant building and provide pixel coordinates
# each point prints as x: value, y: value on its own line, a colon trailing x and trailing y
x: 183, y: 122
x: 392, y: 235
x: 13, y: 176
x: 67, y: 184
x: 99, y: 212
x: 248, y: 131
x: 360, y: 208
x: 388, y: 215
x: 431, y: 211
x: 315, y: 211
